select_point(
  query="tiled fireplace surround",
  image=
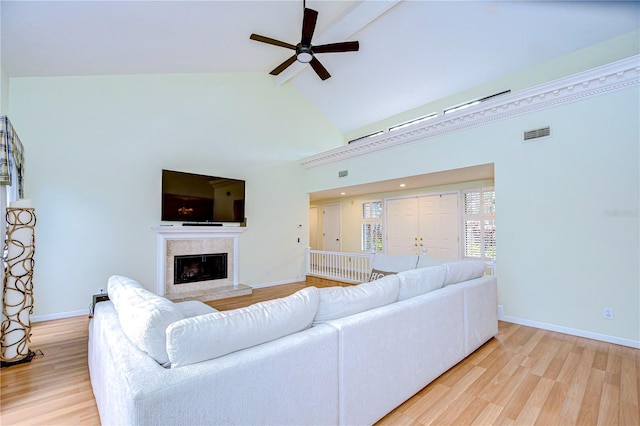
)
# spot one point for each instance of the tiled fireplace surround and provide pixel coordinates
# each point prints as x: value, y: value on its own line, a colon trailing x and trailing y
x: 183, y: 240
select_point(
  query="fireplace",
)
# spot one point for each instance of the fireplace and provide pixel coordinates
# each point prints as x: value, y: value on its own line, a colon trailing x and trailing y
x: 198, y: 263
x: 199, y: 267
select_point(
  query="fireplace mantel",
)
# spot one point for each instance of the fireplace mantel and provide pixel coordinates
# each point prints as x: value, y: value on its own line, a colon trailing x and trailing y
x: 193, y: 231
x: 168, y: 236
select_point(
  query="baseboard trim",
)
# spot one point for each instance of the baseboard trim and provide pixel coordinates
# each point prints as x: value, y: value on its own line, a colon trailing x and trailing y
x: 572, y: 331
x: 61, y: 315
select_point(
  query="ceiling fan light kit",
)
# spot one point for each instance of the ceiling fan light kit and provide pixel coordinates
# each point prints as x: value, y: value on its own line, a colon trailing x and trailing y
x: 304, y: 55
x: 305, y: 51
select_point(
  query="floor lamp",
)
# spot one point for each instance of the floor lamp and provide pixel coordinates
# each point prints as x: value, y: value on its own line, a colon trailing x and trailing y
x: 17, y: 289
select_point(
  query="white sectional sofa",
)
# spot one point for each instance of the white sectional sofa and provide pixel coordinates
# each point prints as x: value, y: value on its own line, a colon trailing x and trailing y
x: 338, y: 355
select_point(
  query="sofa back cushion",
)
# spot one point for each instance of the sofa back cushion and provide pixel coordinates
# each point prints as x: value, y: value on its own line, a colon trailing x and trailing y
x: 390, y: 263
x: 464, y: 270
x: 193, y: 308
x: 213, y: 335
x: 425, y: 261
x: 338, y: 302
x: 144, y: 316
x: 419, y: 281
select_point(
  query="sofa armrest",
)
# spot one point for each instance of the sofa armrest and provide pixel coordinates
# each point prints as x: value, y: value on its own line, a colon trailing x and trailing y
x: 480, y: 311
x: 389, y: 353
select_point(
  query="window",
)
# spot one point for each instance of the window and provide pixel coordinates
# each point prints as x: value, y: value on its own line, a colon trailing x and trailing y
x: 479, y: 223
x: 371, y: 226
x: 473, y: 102
x: 415, y: 121
x: 366, y: 137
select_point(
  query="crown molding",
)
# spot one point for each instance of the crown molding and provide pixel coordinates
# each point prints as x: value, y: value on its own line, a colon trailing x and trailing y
x: 605, y: 79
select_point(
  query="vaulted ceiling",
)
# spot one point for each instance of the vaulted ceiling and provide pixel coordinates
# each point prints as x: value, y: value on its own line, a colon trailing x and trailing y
x: 411, y: 52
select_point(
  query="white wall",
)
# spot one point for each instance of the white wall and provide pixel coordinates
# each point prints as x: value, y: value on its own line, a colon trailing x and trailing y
x: 4, y: 91
x: 95, y: 148
x: 563, y: 255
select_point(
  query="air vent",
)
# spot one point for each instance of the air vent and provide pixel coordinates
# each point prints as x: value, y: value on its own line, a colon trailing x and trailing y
x: 537, y: 133
x: 343, y: 173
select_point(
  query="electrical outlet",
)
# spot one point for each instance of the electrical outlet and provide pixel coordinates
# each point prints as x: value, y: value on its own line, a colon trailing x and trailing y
x: 607, y: 313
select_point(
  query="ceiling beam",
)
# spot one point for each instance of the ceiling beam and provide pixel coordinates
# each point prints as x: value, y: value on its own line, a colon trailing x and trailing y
x: 365, y: 13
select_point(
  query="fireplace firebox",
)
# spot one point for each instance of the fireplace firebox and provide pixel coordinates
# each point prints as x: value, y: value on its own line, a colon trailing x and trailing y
x: 199, y: 267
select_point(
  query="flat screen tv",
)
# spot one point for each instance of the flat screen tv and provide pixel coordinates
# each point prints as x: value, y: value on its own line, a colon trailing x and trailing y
x: 188, y: 197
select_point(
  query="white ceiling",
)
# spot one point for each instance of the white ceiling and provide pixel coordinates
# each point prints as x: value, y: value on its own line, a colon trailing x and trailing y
x: 411, y: 52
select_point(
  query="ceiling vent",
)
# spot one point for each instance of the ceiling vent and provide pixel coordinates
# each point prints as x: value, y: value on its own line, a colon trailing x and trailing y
x: 537, y: 134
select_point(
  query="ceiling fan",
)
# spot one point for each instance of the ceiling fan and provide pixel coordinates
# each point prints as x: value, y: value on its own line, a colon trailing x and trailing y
x: 305, y: 51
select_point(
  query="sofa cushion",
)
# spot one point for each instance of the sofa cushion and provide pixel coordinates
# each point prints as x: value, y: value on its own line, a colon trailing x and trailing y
x: 338, y: 302
x: 193, y: 308
x: 419, y: 281
x: 213, y: 335
x: 385, y: 262
x: 425, y: 261
x: 464, y: 270
x: 377, y: 274
x: 144, y: 316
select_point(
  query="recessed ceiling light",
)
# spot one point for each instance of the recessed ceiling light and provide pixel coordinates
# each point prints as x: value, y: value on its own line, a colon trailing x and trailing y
x: 343, y: 193
x: 402, y: 185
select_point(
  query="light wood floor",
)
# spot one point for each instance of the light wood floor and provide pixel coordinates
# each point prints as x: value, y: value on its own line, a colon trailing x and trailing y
x: 524, y: 376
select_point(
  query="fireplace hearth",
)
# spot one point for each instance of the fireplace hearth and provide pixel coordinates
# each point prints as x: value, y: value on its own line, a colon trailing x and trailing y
x: 199, y: 267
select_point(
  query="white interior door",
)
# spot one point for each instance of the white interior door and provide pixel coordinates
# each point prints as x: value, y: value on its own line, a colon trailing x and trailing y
x: 331, y: 221
x: 402, y: 226
x: 439, y: 225
x: 313, y: 227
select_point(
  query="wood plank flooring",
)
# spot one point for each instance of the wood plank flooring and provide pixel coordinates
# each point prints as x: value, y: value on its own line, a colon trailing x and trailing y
x: 524, y: 376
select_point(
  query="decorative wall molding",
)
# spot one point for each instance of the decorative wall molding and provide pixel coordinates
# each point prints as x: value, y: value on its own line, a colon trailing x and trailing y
x: 605, y: 79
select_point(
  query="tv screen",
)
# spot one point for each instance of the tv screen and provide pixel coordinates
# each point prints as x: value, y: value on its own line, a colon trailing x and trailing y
x: 188, y: 197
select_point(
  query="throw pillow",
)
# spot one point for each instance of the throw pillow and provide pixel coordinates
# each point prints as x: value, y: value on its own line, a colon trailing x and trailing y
x: 377, y: 274
x: 144, y: 316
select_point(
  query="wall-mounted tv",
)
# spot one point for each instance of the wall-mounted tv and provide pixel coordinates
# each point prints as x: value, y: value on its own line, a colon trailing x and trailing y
x: 188, y: 197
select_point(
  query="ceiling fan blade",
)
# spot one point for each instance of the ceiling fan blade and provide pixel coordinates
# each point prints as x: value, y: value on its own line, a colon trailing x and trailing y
x: 275, y: 42
x: 308, y: 26
x: 319, y: 69
x: 277, y: 70
x: 347, y: 46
